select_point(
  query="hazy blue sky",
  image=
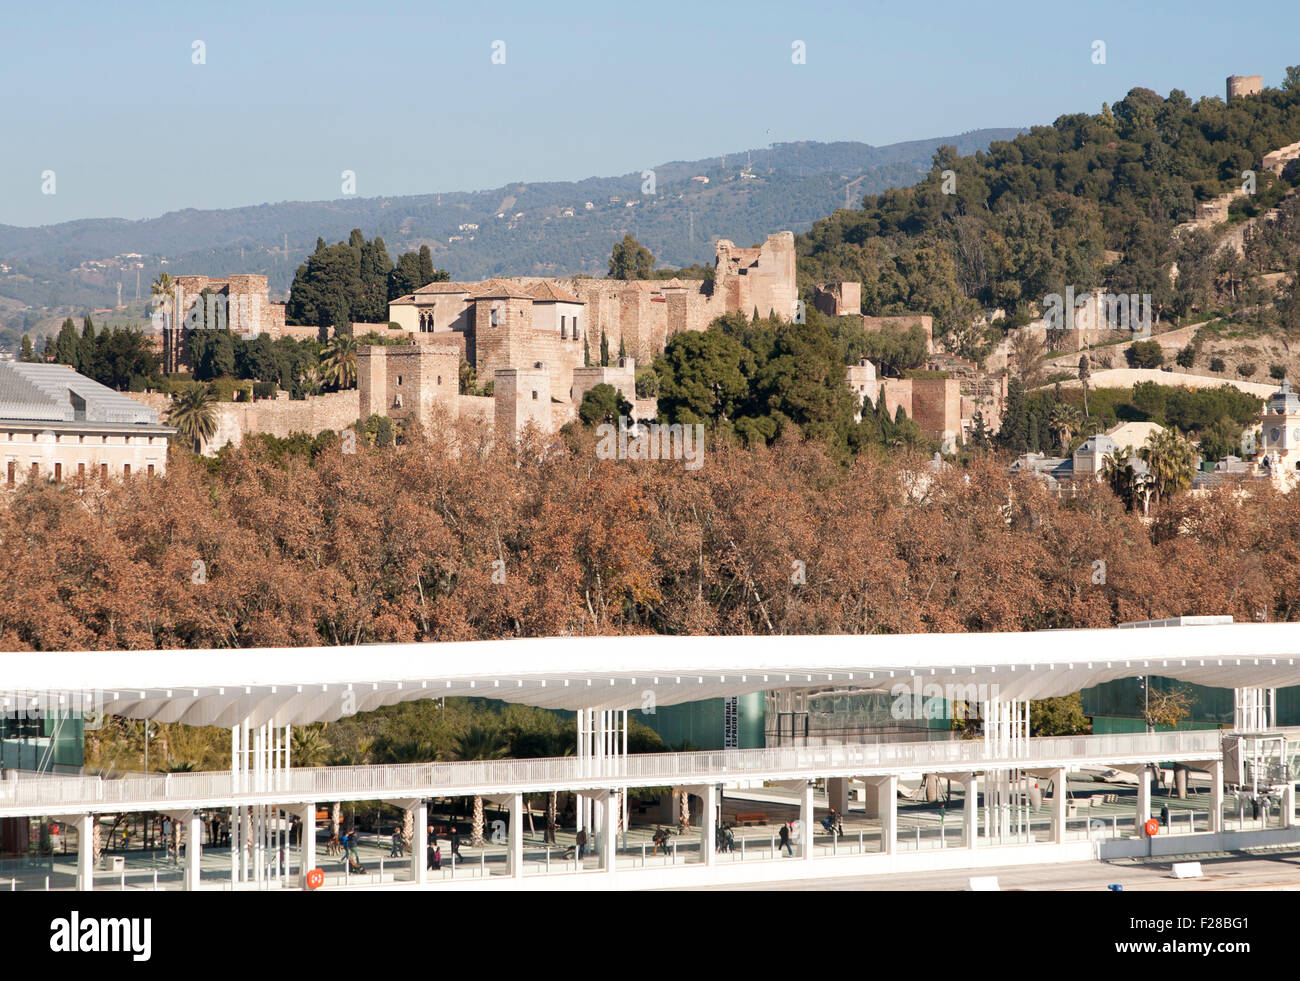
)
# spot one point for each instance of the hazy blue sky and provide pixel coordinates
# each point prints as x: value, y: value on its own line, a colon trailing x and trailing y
x: 105, y: 94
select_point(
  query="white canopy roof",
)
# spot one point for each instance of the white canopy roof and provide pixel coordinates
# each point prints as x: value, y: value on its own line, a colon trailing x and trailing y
x: 321, y: 684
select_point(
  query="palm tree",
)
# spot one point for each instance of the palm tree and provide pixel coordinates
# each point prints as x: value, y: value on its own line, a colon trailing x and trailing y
x: 1117, y: 471
x: 339, y: 362
x: 161, y: 288
x: 480, y: 743
x: 308, y: 746
x: 1065, y: 421
x: 194, y: 413
x: 1172, y: 460
x: 308, y: 381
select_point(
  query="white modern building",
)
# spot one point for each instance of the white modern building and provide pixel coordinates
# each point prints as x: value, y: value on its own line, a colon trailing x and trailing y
x: 260, y: 695
x: 59, y: 425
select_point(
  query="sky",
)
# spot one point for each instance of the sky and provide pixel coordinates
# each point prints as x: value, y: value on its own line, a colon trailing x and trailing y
x: 277, y: 99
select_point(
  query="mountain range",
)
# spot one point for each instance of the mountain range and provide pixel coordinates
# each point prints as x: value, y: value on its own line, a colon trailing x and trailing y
x: 547, y: 228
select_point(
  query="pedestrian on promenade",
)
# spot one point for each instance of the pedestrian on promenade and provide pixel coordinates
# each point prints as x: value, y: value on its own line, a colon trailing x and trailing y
x: 581, y: 841
x: 785, y: 839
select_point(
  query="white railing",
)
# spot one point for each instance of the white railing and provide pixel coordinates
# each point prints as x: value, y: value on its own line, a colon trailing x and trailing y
x: 652, y: 769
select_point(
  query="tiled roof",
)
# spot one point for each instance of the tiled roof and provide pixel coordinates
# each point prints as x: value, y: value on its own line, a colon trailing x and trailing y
x: 548, y: 292
x: 56, y: 393
x: 444, y: 288
x: 493, y: 288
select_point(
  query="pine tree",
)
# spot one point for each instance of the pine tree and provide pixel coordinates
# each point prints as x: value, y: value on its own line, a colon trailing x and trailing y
x: 622, y: 349
x: 604, y: 350
x: 27, y: 353
x: 1033, y: 434
x: 586, y: 353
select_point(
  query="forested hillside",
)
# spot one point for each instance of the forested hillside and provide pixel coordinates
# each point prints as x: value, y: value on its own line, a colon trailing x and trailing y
x: 1001, y: 229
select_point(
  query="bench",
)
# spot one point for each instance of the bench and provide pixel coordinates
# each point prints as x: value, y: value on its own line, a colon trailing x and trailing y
x: 747, y: 819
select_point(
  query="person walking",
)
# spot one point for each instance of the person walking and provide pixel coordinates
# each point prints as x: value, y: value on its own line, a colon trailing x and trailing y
x: 455, y: 843
x: 785, y: 839
x: 581, y: 841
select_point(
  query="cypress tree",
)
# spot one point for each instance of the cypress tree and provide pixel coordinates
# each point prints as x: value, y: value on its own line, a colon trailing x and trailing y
x: 1014, y: 434
x: 67, y: 350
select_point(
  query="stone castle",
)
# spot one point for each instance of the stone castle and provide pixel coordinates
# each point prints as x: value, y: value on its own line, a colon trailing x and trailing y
x: 532, y: 337
x: 241, y: 303
x: 523, y: 320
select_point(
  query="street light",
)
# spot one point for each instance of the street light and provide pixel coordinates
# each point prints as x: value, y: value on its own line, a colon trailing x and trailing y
x: 1146, y: 703
x: 148, y: 727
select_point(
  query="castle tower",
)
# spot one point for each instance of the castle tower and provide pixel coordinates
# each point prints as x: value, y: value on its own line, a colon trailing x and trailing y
x: 372, y: 380
x: 522, y: 396
x: 503, y: 325
x: 1240, y: 86
x: 408, y: 381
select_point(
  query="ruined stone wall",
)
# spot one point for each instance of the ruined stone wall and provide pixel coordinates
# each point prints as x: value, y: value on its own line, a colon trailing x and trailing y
x: 622, y: 377
x: 770, y: 283
x: 936, y: 406
x: 477, y: 408
x: 898, y: 391
x: 838, y: 299
x: 281, y: 416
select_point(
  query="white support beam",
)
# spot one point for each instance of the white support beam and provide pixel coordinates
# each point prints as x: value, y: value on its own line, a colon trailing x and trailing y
x: 419, y: 843
x: 971, y: 811
x: 607, y: 838
x: 806, y: 824
x: 516, y: 839
x: 1215, y: 768
x: 885, y: 791
x: 709, y: 823
x: 307, y: 840
x: 1059, y: 787
x: 1143, y: 797
x: 86, y: 851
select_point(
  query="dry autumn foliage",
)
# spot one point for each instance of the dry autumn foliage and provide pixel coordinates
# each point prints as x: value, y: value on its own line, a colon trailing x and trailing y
x: 401, y: 544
